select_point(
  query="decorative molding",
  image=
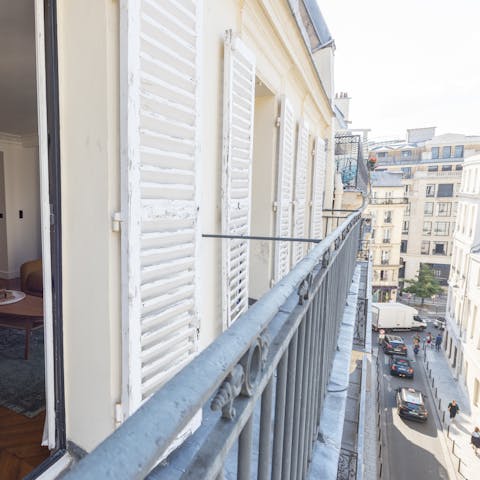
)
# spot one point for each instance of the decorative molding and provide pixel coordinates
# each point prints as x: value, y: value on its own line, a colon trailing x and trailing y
x: 26, y: 140
x: 30, y: 140
x: 228, y: 391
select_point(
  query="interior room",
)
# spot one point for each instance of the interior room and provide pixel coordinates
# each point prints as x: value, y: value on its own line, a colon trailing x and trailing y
x: 22, y: 371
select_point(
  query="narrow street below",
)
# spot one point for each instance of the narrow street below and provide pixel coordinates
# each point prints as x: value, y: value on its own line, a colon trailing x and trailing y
x: 410, y: 448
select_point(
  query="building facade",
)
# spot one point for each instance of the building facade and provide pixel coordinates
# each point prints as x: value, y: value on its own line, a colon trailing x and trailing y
x: 386, y: 207
x: 160, y: 125
x: 462, y: 338
x: 431, y: 167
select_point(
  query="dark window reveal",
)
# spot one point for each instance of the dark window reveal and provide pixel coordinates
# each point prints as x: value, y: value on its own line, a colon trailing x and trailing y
x: 445, y: 190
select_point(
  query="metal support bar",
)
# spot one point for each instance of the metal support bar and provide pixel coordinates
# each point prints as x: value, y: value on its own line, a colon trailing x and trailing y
x: 257, y: 237
x: 264, y: 441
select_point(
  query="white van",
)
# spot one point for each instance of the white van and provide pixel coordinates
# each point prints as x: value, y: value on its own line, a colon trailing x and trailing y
x: 396, y: 316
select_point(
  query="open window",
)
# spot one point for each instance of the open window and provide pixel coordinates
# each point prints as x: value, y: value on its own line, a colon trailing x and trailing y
x: 30, y: 238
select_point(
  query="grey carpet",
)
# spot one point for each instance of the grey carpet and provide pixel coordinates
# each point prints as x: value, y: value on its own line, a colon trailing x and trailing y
x: 22, y: 382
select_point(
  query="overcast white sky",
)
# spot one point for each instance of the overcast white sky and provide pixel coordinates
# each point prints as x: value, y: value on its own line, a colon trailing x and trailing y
x: 408, y: 63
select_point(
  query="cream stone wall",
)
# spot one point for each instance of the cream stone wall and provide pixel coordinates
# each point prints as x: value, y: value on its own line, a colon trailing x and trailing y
x: 89, y: 119
x: 463, y: 304
x: 89, y: 138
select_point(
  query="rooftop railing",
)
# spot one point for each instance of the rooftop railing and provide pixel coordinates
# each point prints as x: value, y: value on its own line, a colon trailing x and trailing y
x: 260, y: 385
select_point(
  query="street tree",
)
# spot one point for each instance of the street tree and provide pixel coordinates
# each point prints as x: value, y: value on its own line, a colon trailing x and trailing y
x: 425, y: 284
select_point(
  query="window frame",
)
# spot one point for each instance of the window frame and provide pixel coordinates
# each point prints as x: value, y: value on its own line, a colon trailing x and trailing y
x: 422, y: 249
x: 428, y: 213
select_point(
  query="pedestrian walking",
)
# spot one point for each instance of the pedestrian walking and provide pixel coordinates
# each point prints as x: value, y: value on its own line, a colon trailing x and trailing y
x: 475, y: 440
x: 453, y: 408
x: 438, y: 342
x: 429, y: 339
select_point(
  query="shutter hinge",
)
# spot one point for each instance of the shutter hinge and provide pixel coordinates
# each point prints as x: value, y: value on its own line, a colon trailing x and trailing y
x: 277, y: 122
x: 117, y: 222
x: 118, y: 414
x: 313, y: 153
x: 274, y: 206
x: 52, y: 216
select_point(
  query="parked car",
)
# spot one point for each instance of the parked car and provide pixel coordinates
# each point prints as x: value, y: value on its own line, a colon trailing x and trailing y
x: 393, y: 344
x: 411, y: 404
x: 400, y: 366
x: 439, y: 323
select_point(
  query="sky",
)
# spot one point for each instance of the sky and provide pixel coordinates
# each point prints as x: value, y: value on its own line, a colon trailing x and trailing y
x: 408, y: 64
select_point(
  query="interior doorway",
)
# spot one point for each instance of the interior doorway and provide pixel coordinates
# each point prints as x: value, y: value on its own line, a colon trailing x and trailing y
x: 31, y: 370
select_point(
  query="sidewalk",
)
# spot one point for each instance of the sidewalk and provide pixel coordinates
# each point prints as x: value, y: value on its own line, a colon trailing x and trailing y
x: 443, y: 389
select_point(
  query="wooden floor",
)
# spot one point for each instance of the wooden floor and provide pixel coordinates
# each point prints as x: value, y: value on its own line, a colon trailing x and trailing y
x: 20, y: 439
x: 20, y: 436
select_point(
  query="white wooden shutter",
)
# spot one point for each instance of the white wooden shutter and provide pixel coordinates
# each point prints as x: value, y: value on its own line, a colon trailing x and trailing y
x: 316, y: 221
x: 299, y: 206
x: 284, y: 188
x: 160, y: 139
x: 238, y: 110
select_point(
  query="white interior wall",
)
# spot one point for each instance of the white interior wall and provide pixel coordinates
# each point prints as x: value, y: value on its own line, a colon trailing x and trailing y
x: 21, y: 187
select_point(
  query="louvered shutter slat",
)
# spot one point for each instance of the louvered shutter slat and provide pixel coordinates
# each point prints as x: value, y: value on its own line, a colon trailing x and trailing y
x: 300, y: 192
x: 316, y: 224
x: 161, y: 206
x: 238, y: 110
x: 284, y: 188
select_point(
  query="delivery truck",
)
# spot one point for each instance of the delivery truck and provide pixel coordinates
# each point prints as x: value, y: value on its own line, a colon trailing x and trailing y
x: 396, y: 316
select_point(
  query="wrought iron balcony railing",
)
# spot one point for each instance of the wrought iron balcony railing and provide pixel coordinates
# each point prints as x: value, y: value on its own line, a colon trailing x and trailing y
x: 266, y: 376
x: 388, y: 201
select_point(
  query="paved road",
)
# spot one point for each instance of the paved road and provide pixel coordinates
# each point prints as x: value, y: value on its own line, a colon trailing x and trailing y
x: 411, y: 449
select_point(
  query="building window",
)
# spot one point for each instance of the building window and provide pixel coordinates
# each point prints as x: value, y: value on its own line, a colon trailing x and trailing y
x: 405, y: 226
x: 383, y: 274
x: 445, y: 190
x: 385, y: 257
x: 373, y: 234
x: 433, y: 168
x: 458, y: 151
x: 440, y: 248
x: 381, y: 154
x: 474, y: 321
x: 406, y: 154
x: 430, y: 191
x: 427, y: 228
x: 407, y: 210
x: 444, y: 209
x: 441, y: 228
x: 387, y: 217
x: 407, y: 172
x: 446, y: 152
x: 458, y: 167
x: 428, y: 209
x: 386, y: 235
x: 435, y: 152
x: 425, y: 248
x: 406, y: 189
x: 403, y: 246
x: 454, y: 209
x: 446, y: 168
